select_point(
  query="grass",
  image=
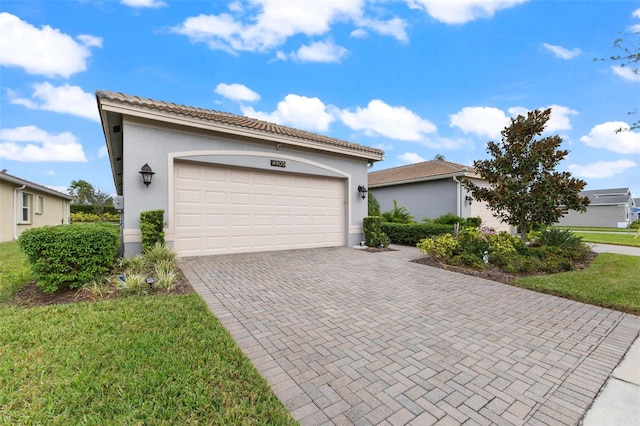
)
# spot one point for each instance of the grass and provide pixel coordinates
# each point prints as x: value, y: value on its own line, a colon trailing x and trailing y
x: 14, y: 271
x: 591, y: 228
x: 611, y: 281
x: 141, y: 360
x: 617, y: 239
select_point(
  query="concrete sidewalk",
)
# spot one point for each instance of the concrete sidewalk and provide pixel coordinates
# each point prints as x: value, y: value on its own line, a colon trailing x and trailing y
x: 610, y: 248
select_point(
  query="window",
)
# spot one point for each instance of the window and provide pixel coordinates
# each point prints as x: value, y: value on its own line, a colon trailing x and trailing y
x: 26, y: 208
x: 39, y: 205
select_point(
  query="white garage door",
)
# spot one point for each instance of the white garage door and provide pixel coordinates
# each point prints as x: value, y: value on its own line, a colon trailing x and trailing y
x: 221, y: 209
x: 481, y: 209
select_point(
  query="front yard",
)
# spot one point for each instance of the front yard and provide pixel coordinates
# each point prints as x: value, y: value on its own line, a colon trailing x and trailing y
x: 131, y: 360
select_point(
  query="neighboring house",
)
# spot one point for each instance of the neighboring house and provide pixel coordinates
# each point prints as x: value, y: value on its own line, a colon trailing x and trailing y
x: 431, y: 189
x: 635, y: 215
x: 25, y: 205
x: 607, y: 208
x: 231, y: 184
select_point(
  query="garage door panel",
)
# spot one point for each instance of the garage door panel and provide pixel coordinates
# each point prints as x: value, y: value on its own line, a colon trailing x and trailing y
x: 224, y: 210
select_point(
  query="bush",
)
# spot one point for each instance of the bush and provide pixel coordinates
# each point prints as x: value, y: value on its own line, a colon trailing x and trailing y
x: 412, y: 233
x: 635, y: 224
x: 504, y: 243
x: 555, y: 237
x: 158, y: 262
x: 69, y: 255
x: 92, y: 217
x: 472, y: 222
x: 91, y: 209
x: 373, y: 234
x: 448, y: 219
x: 152, y: 228
x: 397, y: 214
x: 442, y: 247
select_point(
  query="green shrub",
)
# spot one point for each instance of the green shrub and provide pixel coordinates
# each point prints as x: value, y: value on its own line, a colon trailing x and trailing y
x: 91, y: 209
x: 555, y: 237
x: 442, y: 247
x: 373, y: 205
x: 448, y: 219
x: 69, y: 255
x: 412, y: 233
x: 472, y: 222
x: 635, y: 224
x: 152, y: 228
x: 504, y: 243
x: 373, y: 234
x: 469, y: 259
x: 397, y: 214
x: 92, y: 217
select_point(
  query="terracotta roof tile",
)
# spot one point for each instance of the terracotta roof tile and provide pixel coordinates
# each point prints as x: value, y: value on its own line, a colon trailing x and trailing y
x: 411, y: 172
x: 232, y: 120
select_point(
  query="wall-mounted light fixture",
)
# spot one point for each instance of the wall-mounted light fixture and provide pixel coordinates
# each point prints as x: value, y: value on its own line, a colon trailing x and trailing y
x: 468, y: 199
x: 363, y: 191
x: 147, y: 174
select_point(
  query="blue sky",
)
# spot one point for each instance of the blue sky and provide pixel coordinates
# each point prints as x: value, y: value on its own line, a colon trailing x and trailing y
x: 416, y: 77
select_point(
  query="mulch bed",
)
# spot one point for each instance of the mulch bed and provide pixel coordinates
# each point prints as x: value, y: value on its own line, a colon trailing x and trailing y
x: 30, y: 295
x: 493, y: 274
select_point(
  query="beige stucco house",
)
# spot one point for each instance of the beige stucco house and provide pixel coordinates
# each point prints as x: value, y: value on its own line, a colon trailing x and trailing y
x: 25, y: 205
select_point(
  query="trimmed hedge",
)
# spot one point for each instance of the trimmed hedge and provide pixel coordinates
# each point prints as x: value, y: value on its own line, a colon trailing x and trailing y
x: 411, y: 233
x: 90, y: 209
x: 152, y: 228
x: 373, y: 235
x: 69, y: 255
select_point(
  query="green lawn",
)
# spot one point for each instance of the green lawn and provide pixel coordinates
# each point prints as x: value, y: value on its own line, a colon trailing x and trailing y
x: 617, y: 239
x: 611, y: 281
x: 590, y: 228
x: 13, y: 269
x: 155, y: 360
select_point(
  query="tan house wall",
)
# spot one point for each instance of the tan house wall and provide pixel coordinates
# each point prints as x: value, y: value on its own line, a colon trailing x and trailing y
x: 54, y: 211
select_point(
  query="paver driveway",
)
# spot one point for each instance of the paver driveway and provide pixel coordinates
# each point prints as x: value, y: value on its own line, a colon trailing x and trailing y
x: 350, y: 337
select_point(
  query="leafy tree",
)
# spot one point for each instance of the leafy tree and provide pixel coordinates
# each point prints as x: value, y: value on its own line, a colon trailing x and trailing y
x: 373, y: 205
x: 82, y: 191
x: 99, y: 200
x: 525, y: 189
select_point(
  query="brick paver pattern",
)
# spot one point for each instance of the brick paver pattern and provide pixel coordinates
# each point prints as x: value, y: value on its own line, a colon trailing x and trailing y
x: 345, y: 336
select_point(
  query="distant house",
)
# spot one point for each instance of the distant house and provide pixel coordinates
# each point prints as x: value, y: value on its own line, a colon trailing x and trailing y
x: 635, y: 215
x: 431, y: 189
x: 25, y: 205
x: 608, y: 208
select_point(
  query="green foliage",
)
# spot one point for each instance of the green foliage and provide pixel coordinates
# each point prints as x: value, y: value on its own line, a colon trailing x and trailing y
x: 69, y: 255
x: 635, y: 224
x: 373, y: 205
x: 92, y: 217
x: 373, y: 234
x: 448, y: 219
x: 158, y: 262
x: 473, y: 222
x: 89, y: 208
x: 525, y: 189
x: 152, y: 228
x: 411, y: 233
x: 14, y: 269
x: 397, y: 214
x: 555, y: 237
x: 504, y: 243
x: 442, y: 247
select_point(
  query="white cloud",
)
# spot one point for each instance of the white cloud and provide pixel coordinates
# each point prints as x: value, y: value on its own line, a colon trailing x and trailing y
x: 359, y: 33
x: 320, y: 51
x: 63, y: 189
x: 410, y: 158
x: 395, y: 27
x: 483, y: 121
x: 270, y: 26
x: 296, y: 111
x: 63, y: 99
x: 626, y: 73
x: 559, y: 118
x: 31, y: 144
x: 562, y: 52
x: 44, y: 51
x: 103, y: 152
x: 51, y: 172
x: 379, y: 118
x: 604, y: 136
x: 601, y: 169
x: 636, y: 13
x: 462, y: 11
x: 237, y: 92
x: 151, y: 4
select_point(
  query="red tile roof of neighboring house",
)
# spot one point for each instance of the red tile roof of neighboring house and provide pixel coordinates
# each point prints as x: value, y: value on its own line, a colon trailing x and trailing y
x: 426, y: 170
x: 232, y: 120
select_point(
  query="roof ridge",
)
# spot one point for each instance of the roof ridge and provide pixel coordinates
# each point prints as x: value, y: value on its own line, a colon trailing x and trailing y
x: 420, y: 163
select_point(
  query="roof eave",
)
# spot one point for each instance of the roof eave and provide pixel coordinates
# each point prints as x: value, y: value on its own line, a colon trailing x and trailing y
x: 426, y: 179
x: 183, y: 120
x: 17, y: 181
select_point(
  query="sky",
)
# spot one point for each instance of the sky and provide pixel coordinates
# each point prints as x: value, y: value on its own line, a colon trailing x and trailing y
x: 416, y: 78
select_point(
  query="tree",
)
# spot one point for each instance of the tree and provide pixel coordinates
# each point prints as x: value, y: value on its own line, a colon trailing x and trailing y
x: 525, y: 189
x: 82, y: 191
x: 439, y: 157
x: 629, y: 59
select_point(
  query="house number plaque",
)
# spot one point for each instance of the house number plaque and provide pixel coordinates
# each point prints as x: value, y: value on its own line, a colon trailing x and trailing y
x: 278, y: 163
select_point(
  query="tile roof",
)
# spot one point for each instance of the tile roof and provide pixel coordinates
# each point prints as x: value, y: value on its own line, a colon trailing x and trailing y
x: 232, y: 120
x: 426, y: 170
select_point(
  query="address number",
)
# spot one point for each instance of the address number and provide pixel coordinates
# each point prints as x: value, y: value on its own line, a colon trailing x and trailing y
x: 278, y: 163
